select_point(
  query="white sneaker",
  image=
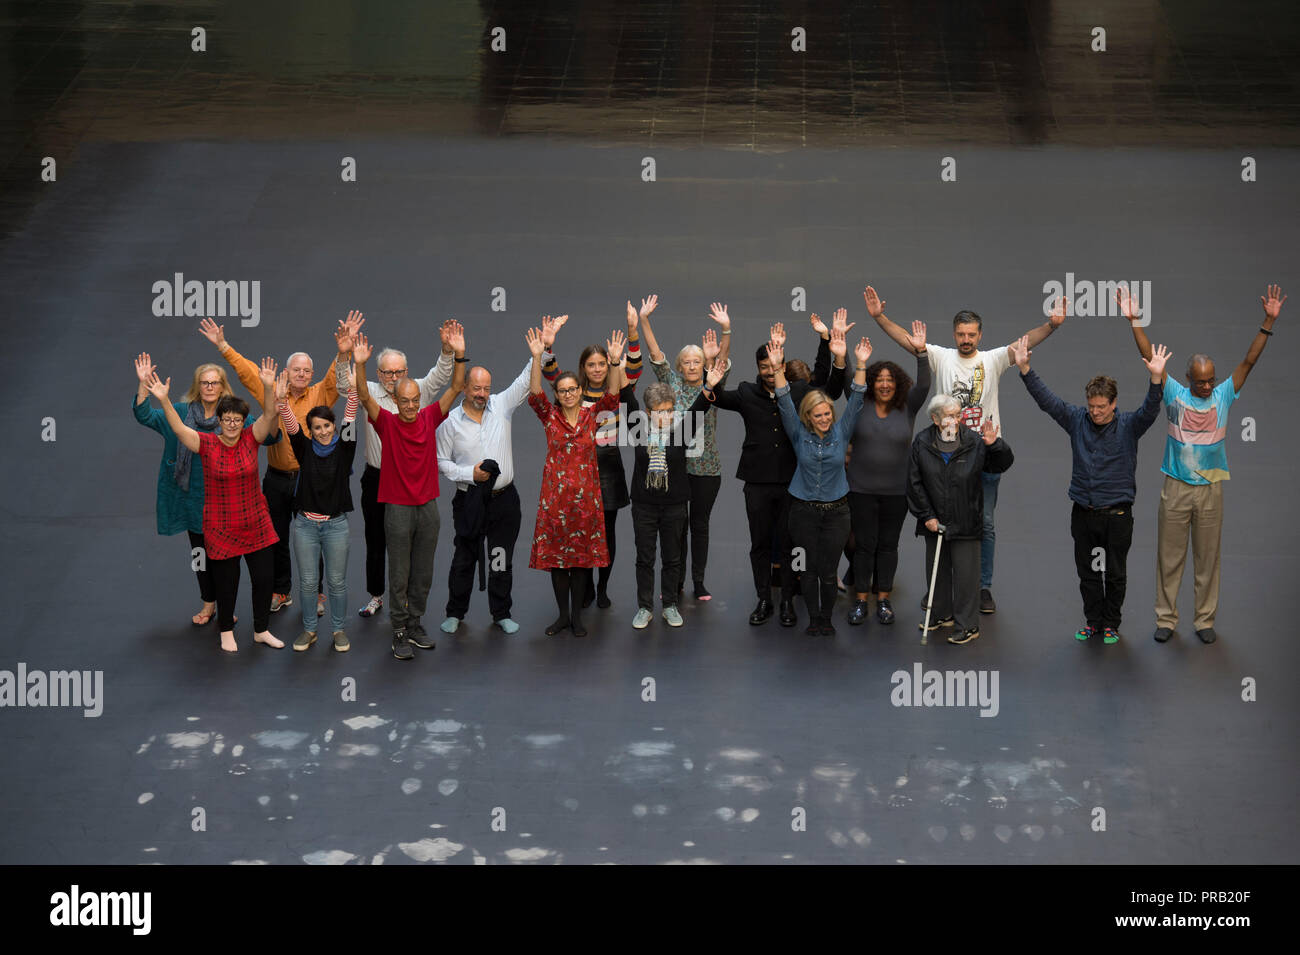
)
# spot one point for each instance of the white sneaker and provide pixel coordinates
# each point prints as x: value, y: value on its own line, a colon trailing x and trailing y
x: 642, y: 619
x: 671, y: 615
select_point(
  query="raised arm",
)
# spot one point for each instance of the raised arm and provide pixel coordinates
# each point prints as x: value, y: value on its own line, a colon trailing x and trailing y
x: 776, y: 355
x: 456, y: 339
x: 876, y: 309
x: 550, y: 328
x: 648, y: 305
x: 245, y: 369
x: 360, y: 353
x: 921, y: 387
x: 1043, y: 396
x: 535, y: 347
x: 1146, y: 415
x: 338, y: 374
x: 185, y: 434
x: 274, y: 387
x: 1040, y: 332
x: 1129, y: 311
x: 719, y: 314
x: 1272, y: 308
x: 615, y: 379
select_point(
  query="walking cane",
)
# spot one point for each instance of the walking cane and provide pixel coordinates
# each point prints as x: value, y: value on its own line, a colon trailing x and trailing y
x: 934, y: 576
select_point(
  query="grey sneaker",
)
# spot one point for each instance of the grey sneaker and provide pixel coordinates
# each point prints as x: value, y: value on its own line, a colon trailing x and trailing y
x: 401, y: 646
x: 672, y: 616
x: 966, y: 636
x: 1207, y: 635
x: 419, y: 638
x: 936, y: 623
x: 280, y: 600
x: 642, y: 619
x: 341, y: 642
x: 304, y: 641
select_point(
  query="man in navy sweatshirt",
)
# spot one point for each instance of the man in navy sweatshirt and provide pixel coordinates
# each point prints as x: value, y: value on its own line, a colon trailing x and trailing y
x: 1103, y: 482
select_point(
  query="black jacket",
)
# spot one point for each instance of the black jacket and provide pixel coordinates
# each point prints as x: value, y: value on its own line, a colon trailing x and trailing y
x: 767, y: 456
x: 679, y: 484
x: 953, y: 491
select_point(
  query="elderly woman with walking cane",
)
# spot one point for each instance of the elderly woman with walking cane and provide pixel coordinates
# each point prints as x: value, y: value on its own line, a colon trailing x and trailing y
x: 945, y: 491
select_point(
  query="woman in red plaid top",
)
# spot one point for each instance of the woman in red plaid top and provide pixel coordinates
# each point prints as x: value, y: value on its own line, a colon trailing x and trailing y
x: 235, y: 519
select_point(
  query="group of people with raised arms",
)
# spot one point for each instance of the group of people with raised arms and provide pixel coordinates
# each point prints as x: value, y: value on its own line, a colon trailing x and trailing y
x: 817, y: 481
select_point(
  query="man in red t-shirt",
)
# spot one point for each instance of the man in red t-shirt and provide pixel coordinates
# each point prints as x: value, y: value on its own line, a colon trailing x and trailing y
x: 408, y: 489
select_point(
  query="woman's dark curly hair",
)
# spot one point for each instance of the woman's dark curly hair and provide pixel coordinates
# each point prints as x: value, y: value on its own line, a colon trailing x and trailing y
x: 902, y: 383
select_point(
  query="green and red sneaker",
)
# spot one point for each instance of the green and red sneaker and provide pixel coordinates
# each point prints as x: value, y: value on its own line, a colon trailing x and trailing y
x: 1083, y: 633
x: 1110, y: 635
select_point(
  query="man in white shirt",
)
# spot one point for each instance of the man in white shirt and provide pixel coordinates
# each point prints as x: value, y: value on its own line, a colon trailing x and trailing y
x: 971, y: 376
x: 392, y: 369
x: 479, y: 431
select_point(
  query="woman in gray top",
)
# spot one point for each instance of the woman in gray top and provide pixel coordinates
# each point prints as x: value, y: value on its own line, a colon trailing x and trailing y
x: 877, y: 471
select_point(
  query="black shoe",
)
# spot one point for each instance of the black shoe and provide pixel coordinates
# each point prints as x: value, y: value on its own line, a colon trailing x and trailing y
x: 1163, y: 634
x: 965, y: 636
x: 858, y: 615
x: 559, y: 626
x: 418, y: 638
x: 827, y: 628
x: 578, y: 629
x: 814, y: 628
x: 884, y: 612
x: 588, y: 599
x: 1207, y: 635
x: 602, y: 599
x: 401, y: 646
x: 788, y: 617
x: 936, y: 623
x: 986, y: 602
x: 762, y: 613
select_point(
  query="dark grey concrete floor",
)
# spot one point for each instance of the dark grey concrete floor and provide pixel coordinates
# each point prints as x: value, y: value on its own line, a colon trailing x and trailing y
x: 749, y: 724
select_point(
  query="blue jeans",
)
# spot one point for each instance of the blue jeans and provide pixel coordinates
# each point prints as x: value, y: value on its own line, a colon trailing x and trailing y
x: 311, y: 540
x: 990, y: 536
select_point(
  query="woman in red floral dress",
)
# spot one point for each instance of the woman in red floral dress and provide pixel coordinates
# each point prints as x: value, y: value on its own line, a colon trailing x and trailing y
x: 570, y: 534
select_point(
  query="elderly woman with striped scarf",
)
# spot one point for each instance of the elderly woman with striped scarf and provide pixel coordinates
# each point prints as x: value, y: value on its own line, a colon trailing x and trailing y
x: 661, y: 491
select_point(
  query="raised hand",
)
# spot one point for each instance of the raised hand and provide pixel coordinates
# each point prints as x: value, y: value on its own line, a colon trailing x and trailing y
x: 267, y: 372
x: 1273, y: 304
x: 841, y: 321
x: 648, y: 305
x: 875, y: 304
x: 776, y: 353
x: 144, y: 368
x: 456, y: 337
x: 551, y: 327
x: 817, y: 324
x: 838, y: 346
x: 213, y: 332
x: 1059, y: 308
x: 710, y: 345
x: 282, y: 387
x: 917, y: 338
x: 989, y: 431
x: 361, y: 348
x: 1125, y: 302
x: 716, y: 370
x: 777, y: 334
x: 862, y: 352
x: 1020, y: 353
x: 535, y: 343
x: 719, y: 314
x: 158, y: 388
x: 614, y: 345
x: 347, y: 330
x: 1159, y: 356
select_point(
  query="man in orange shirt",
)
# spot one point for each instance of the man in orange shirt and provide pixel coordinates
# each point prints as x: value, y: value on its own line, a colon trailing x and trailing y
x: 282, y: 466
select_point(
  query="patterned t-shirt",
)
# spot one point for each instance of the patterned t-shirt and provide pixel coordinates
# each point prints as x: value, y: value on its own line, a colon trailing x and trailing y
x: 972, y: 381
x: 702, y: 455
x: 1195, y: 448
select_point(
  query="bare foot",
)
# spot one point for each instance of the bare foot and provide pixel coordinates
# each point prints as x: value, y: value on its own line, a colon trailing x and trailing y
x: 205, y: 615
x: 266, y: 637
x: 228, y: 641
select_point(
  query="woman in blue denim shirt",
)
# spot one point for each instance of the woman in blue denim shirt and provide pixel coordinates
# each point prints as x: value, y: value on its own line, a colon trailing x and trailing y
x: 819, y: 513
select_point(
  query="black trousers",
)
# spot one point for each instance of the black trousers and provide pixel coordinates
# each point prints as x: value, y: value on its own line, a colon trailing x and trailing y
x: 1103, y: 577
x: 598, y: 578
x: 662, y: 524
x: 877, y: 523
x: 207, y: 592
x: 767, y: 506
x: 502, y: 532
x: 225, y: 579
x: 376, y: 546
x: 821, y: 532
x: 704, y: 493
x: 277, y: 486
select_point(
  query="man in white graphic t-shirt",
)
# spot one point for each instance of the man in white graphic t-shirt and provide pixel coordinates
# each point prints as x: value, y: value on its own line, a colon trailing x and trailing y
x: 971, y: 376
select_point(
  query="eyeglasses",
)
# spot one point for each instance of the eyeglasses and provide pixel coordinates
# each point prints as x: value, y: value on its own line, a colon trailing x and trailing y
x: 395, y: 371
x: 209, y: 384
x: 231, y: 419
x: 566, y: 391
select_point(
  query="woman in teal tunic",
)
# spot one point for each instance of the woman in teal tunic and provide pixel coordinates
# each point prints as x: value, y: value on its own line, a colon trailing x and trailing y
x: 180, y: 474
